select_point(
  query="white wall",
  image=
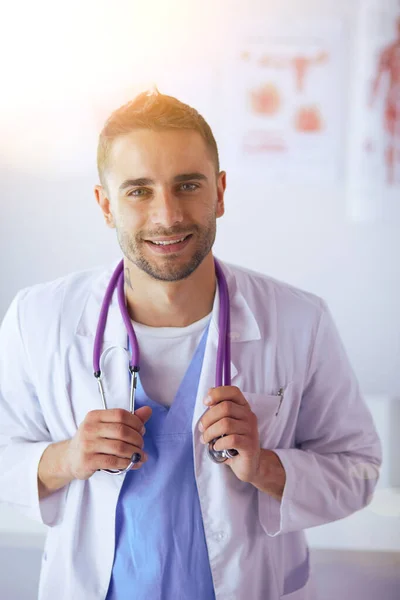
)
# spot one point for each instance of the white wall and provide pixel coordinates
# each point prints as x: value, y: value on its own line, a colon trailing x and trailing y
x: 77, y: 70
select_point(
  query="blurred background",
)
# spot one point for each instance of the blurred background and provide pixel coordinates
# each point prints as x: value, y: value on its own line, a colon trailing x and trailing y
x: 297, y: 103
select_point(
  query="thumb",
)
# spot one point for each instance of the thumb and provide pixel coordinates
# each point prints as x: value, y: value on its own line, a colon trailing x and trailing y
x: 144, y: 413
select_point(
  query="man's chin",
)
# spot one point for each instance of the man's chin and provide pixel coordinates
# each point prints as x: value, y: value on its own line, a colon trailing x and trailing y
x: 168, y: 268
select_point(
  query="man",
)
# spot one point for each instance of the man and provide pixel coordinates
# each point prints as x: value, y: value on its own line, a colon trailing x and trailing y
x: 177, y: 525
x: 389, y: 62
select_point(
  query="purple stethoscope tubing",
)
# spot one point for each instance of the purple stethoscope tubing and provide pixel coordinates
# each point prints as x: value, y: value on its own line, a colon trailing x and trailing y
x: 223, y: 367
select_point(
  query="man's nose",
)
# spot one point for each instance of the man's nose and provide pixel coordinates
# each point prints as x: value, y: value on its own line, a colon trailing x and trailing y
x: 166, y: 208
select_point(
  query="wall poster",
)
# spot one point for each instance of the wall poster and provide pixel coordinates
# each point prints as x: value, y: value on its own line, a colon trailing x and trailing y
x: 282, y: 97
x: 374, y: 162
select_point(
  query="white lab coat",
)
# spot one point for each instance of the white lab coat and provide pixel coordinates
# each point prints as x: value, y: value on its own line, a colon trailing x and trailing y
x: 281, y: 337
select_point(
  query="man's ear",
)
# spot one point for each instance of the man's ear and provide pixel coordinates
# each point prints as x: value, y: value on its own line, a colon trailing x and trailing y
x: 103, y: 201
x: 221, y: 187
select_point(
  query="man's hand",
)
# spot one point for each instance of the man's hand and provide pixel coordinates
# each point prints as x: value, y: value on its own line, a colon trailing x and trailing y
x: 107, y: 439
x: 230, y: 415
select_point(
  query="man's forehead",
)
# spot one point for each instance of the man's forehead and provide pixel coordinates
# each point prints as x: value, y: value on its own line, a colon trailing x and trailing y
x: 147, y: 140
x: 147, y: 149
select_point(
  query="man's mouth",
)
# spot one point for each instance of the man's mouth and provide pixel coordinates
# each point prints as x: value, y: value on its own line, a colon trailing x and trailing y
x: 169, y: 241
x: 169, y: 245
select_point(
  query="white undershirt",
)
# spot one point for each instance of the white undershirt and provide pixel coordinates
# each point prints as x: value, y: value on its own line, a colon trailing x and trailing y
x: 165, y: 354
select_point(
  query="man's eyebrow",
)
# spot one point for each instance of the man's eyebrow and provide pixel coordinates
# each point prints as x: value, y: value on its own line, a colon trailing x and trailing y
x: 142, y: 181
x: 135, y: 182
x: 189, y: 177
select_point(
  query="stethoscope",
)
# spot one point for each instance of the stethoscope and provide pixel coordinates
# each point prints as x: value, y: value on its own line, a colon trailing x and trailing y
x: 223, y: 367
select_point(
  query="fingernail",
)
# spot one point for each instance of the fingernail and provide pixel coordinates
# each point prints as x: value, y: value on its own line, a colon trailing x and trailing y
x: 143, y: 430
x: 207, y: 400
x: 201, y: 428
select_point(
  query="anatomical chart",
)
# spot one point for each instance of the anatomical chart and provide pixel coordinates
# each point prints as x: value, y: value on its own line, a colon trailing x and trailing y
x: 283, y: 100
x: 374, y: 167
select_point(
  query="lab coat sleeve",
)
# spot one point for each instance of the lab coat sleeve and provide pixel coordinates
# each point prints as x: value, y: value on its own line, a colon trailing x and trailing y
x: 23, y: 432
x: 334, y: 467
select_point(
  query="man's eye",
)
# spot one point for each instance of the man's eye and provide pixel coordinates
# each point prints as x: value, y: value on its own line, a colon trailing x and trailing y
x: 135, y: 192
x: 192, y: 186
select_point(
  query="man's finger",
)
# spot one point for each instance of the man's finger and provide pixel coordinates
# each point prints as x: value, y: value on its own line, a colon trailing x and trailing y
x: 227, y: 392
x: 117, y: 415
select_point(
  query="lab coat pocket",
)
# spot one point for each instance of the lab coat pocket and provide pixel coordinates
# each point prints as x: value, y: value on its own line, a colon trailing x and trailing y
x: 271, y: 411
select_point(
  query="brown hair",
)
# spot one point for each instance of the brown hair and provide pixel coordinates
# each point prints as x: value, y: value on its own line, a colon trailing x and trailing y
x: 156, y: 111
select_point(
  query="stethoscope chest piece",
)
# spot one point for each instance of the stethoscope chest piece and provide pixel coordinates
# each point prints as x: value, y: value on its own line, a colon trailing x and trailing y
x: 220, y: 456
x: 216, y: 455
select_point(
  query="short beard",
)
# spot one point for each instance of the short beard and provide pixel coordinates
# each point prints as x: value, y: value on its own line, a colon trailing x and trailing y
x: 205, y: 237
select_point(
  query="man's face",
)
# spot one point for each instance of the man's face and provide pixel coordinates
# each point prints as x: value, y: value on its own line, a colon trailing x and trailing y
x: 163, y: 185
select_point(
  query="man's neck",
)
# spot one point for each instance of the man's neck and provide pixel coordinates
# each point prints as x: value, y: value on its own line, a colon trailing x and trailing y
x: 170, y: 304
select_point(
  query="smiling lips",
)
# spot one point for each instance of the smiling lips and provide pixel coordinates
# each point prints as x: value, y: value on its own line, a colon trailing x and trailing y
x: 169, y: 245
x: 168, y: 241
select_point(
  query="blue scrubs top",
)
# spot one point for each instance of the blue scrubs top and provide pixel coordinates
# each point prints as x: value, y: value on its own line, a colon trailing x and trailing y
x: 161, y: 551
